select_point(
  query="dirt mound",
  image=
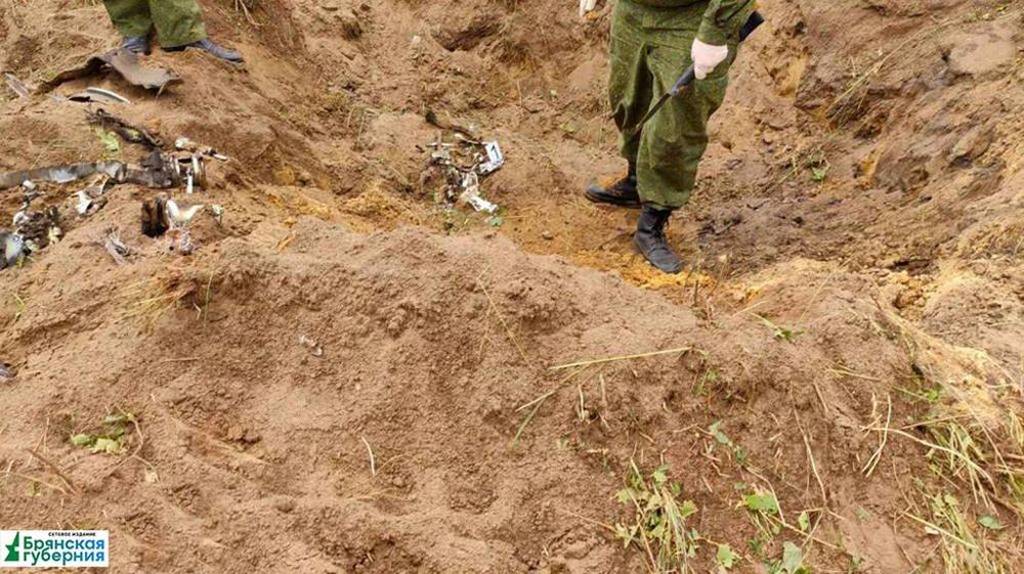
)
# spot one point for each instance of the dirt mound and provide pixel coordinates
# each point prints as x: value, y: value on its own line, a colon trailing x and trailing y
x: 348, y: 376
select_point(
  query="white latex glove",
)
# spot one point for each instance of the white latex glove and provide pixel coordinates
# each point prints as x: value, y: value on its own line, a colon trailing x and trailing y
x: 587, y: 6
x: 707, y: 57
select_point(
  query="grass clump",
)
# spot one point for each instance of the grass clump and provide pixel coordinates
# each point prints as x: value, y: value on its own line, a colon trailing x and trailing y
x: 658, y: 527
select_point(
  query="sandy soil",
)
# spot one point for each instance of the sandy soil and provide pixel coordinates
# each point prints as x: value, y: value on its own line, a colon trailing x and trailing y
x: 348, y: 377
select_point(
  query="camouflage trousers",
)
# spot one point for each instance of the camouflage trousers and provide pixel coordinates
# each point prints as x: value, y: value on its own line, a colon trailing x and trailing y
x: 650, y: 49
x: 177, y: 22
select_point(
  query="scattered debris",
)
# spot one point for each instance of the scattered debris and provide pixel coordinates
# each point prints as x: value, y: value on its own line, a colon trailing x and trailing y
x: 35, y: 229
x: 162, y: 216
x: 185, y: 144
x: 93, y: 197
x: 63, y: 173
x: 127, y: 131
x: 495, y: 159
x: 116, y: 248
x: 314, y: 348
x: 98, y: 96
x: 464, y: 162
x: 218, y: 213
x: 124, y: 63
x: 158, y: 170
x: 6, y: 372
x: 17, y: 86
x: 179, y: 217
x: 13, y: 249
x: 154, y: 217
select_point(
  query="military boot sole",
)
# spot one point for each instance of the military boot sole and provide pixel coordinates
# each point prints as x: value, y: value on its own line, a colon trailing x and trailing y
x: 598, y: 194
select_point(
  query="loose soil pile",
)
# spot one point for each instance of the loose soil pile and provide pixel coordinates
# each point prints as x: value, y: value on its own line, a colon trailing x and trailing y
x: 346, y: 376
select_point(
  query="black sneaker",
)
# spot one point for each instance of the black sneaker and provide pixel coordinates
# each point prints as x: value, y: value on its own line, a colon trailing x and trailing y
x: 213, y: 49
x: 622, y: 193
x: 650, y: 240
x: 136, y: 45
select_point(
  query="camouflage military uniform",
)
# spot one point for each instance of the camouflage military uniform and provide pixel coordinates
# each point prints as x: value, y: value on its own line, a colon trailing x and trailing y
x: 650, y: 49
x: 177, y: 22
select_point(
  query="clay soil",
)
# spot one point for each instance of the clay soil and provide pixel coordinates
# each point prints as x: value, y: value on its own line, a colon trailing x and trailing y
x: 346, y: 376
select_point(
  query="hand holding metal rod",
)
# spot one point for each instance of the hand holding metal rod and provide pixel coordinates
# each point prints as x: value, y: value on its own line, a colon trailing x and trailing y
x: 688, y: 77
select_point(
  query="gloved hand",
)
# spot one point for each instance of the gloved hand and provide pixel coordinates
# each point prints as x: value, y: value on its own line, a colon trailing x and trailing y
x: 587, y: 6
x: 707, y: 57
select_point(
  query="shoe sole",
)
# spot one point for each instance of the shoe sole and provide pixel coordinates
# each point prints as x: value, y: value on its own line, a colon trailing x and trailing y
x: 605, y: 200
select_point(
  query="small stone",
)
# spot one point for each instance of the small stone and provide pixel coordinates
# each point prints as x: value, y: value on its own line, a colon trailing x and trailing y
x: 548, y: 236
x: 236, y: 433
x: 284, y: 505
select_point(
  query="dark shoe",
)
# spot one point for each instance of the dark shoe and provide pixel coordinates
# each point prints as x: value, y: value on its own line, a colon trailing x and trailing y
x: 136, y: 45
x: 213, y: 49
x: 650, y: 240
x: 622, y: 193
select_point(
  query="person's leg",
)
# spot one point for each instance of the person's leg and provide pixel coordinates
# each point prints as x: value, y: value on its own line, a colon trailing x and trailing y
x: 131, y: 17
x: 631, y: 81
x: 629, y: 92
x: 675, y: 139
x: 178, y: 22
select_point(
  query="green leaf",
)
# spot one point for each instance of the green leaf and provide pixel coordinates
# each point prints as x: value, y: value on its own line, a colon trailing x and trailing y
x: 765, y: 503
x: 804, y: 521
x: 118, y: 419
x: 792, y: 558
x: 83, y: 440
x: 687, y: 509
x: 624, y: 496
x: 720, y: 436
x: 109, y: 140
x: 726, y: 557
x: 991, y: 522
x: 660, y: 475
x: 107, y: 446
x: 624, y: 534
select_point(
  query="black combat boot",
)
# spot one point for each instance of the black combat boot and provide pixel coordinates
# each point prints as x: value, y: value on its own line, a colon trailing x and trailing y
x: 622, y: 193
x: 211, y: 48
x: 650, y: 240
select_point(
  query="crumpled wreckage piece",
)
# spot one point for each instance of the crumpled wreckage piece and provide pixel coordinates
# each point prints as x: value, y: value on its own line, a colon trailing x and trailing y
x: 123, y: 62
x: 463, y: 164
x: 63, y: 173
x: 98, y: 96
x: 12, y: 248
x: 158, y: 170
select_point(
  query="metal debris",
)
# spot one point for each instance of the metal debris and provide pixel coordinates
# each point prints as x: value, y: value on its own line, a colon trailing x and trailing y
x: 92, y: 198
x: 98, y: 96
x: 13, y: 249
x: 185, y: 144
x: 463, y: 163
x: 116, y: 248
x: 314, y: 348
x: 63, y: 173
x: 17, y: 86
x: 163, y: 216
x: 181, y: 217
x: 495, y: 159
x: 124, y: 63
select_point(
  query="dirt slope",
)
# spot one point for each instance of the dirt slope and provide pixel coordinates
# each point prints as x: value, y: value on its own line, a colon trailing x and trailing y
x: 335, y: 381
